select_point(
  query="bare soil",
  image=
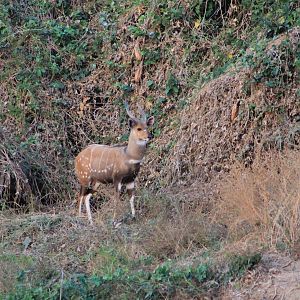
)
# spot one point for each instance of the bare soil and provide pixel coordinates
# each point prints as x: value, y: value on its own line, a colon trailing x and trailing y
x: 277, y: 277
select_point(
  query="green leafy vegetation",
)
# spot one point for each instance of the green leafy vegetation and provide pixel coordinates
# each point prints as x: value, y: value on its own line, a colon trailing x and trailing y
x: 221, y: 79
x: 127, y: 279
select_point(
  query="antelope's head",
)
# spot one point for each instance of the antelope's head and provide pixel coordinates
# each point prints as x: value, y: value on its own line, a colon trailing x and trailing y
x: 139, y: 126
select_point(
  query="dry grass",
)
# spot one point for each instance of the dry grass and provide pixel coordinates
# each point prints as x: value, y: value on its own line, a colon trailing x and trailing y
x: 258, y: 206
x: 44, y: 244
x: 62, y: 242
x: 175, y: 237
x: 172, y: 228
x: 261, y: 204
x: 263, y: 201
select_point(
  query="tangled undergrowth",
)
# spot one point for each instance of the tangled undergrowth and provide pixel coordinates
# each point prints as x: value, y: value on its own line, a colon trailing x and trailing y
x: 252, y: 108
x: 222, y: 81
x: 68, y: 66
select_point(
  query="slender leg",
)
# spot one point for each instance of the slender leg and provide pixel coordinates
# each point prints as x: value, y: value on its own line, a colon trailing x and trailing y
x: 82, y: 193
x: 130, y: 191
x: 118, y: 187
x: 80, y: 205
x: 132, y: 203
x: 88, y: 209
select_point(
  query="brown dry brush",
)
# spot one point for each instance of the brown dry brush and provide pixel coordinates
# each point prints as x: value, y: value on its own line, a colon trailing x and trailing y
x: 263, y: 202
x: 235, y: 117
x: 25, y: 179
x: 81, y: 111
x: 47, y: 137
x: 14, y: 184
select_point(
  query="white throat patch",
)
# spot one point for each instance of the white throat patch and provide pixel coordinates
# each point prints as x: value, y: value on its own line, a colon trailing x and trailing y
x: 141, y: 142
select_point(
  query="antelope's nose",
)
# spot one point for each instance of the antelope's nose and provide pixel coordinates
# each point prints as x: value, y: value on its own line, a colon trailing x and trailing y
x: 150, y: 136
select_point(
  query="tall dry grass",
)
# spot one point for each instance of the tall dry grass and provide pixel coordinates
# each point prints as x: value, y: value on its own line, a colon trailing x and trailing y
x: 263, y: 201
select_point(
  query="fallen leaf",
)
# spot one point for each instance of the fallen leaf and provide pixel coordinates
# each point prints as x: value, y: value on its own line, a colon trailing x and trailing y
x: 197, y: 24
x: 140, y: 9
x: 138, y: 73
x: 85, y: 99
x: 235, y: 111
x: 81, y: 106
x: 137, y: 52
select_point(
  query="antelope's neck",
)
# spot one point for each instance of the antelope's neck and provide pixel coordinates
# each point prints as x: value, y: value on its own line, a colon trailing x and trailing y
x: 135, y: 150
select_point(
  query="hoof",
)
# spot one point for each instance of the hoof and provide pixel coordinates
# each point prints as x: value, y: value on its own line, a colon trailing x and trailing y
x: 116, y: 224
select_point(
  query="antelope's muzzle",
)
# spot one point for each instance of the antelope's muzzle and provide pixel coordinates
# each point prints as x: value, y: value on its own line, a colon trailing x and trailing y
x: 150, y: 136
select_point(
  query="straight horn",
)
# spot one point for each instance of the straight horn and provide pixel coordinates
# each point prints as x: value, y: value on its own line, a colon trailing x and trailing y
x: 129, y: 113
x: 142, y: 114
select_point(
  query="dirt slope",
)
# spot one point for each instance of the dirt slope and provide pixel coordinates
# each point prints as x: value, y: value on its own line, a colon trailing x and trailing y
x: 278, y: 277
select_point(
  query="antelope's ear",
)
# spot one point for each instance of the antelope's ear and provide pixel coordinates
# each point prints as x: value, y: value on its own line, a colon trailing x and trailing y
x: 150, y: 121
x: 132, y: 123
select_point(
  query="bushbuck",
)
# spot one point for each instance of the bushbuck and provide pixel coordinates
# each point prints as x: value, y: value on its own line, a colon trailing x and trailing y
x: 115, y: 164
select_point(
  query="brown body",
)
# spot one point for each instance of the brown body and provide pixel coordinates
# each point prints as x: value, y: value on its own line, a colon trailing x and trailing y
x: 106, y: 164
x: 113, y: 164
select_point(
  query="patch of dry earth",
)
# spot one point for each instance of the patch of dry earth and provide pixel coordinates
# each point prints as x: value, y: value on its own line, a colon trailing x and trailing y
x: 277, y: 278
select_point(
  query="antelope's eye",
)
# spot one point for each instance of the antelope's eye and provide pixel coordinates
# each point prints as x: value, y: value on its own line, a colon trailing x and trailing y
x: 139, y: 129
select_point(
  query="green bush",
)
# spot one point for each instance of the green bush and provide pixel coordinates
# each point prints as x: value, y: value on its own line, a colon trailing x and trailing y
x: 132, y: 280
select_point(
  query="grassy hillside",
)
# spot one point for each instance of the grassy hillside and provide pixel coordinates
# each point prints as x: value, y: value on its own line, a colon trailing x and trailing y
x: 220, y: 181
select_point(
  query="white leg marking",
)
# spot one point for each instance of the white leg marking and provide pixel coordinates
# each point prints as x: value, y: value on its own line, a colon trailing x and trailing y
x: 88, y: 209
x: 130, y: 186
x: 132, y: 205
x: 119, y: 187
x: 80, y: 205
